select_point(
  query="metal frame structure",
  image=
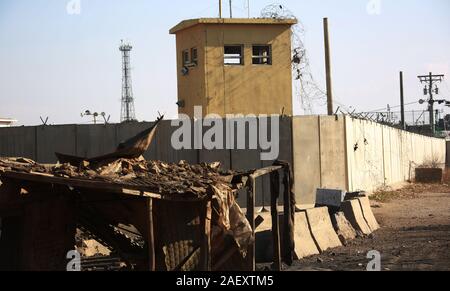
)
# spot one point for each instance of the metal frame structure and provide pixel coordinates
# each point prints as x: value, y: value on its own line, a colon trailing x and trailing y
x: 128, y: 112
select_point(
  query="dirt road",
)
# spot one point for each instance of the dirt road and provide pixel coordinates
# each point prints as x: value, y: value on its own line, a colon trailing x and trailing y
x: 415, y: 234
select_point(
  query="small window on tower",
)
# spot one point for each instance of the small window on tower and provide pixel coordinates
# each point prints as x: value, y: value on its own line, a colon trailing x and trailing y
x: 185, y: 57
x: 194, y: 56
x: 233, y: 55
x: 262, y: 55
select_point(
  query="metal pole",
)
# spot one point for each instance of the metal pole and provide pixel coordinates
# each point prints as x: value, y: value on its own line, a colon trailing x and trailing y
x: 220, y: 8
x: 328, y: 67
x: 430, y: 89
x: 248, y: 8
x: 231, y: 9
x: 402, y: 102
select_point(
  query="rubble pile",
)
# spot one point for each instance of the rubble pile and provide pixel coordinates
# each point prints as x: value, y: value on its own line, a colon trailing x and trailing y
x: 154, y: 176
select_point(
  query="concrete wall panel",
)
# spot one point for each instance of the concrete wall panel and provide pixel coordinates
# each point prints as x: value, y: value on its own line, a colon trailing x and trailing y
x: 306, y: 153
x: 95, y: 140
x: 333, y: 153
x: 285, y: 154
x: 18, y: 142
x: 51, y: 139
x: 163, y: 150
x: 365, y: 155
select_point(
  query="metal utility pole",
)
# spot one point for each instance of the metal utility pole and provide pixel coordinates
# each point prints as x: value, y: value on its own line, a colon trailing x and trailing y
x: 220, y: 8
x: 430, y: 80
x: 127, y: 112
x: 231, y: 8
x: 248, y: 8
x: 328, y: 67
x: 402, y: 102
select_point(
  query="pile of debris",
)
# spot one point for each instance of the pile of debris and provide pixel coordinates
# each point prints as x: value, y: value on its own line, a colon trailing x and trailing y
x: 194, y: 181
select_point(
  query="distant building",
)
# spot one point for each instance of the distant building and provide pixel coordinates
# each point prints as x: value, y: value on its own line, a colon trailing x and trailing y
x: 6, y: 122
x: 234, y: 66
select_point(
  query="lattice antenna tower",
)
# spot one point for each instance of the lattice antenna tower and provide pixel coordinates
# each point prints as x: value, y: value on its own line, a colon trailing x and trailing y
x: 127, y: 112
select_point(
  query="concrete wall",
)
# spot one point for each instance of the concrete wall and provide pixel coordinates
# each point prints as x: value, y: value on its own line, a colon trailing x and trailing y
x: 331, y: 152
x: 353, y: 155
x: 319, y: 153
x: 40, y: 143
x: 384, y: 156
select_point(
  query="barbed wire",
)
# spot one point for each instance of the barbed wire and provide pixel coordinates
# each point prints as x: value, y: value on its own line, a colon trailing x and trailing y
x: 307, y: 90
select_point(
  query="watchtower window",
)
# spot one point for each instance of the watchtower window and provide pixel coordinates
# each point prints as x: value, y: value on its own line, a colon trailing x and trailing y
x: 234, y: 55
x: 262, y: 55
x: 194, y: 56
x: 185, y: 56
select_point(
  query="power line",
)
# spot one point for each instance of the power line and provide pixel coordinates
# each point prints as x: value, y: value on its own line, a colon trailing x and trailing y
x: 392, y: 107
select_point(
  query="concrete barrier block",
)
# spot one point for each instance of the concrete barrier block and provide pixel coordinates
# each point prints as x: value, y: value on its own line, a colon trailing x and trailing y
x: 305, y: 245
x: 322, y: 229
x: 368, y: 213
x: 343, y: 227
x: 330, y: 197
x: 353, y: 212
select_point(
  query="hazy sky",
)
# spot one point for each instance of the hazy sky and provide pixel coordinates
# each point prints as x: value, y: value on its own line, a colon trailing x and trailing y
x: 57, y: 64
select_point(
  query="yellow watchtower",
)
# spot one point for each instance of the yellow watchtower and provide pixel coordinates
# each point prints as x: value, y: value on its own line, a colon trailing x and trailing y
x: 234, y: 66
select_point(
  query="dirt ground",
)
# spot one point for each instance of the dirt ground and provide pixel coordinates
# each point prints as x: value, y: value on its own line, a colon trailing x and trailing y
x: 415, y: 234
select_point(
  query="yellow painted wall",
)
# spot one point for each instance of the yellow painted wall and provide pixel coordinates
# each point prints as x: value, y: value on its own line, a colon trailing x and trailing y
x: 246, y: 89
x: 192, y: 87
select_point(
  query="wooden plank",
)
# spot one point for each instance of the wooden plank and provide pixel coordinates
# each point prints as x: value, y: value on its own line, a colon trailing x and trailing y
x: 275, y: 193
x: 265, y: 171
x: 206, y: 237
x: 289, y: 218
x: 94, y: 185
x: 65, y: 181
x: 251, y: 193
x: 151, y: 236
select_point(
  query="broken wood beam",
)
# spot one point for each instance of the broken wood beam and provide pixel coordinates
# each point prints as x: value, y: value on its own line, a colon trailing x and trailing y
x: 265, y: 171
x: 151, y: 236
x: 205, y: 252
x: 251, y: 193
x: 274, y: 194
x: 289, y: 218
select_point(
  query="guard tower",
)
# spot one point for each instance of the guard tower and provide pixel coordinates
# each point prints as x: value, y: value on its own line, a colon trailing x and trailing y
x: 234, y: 66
